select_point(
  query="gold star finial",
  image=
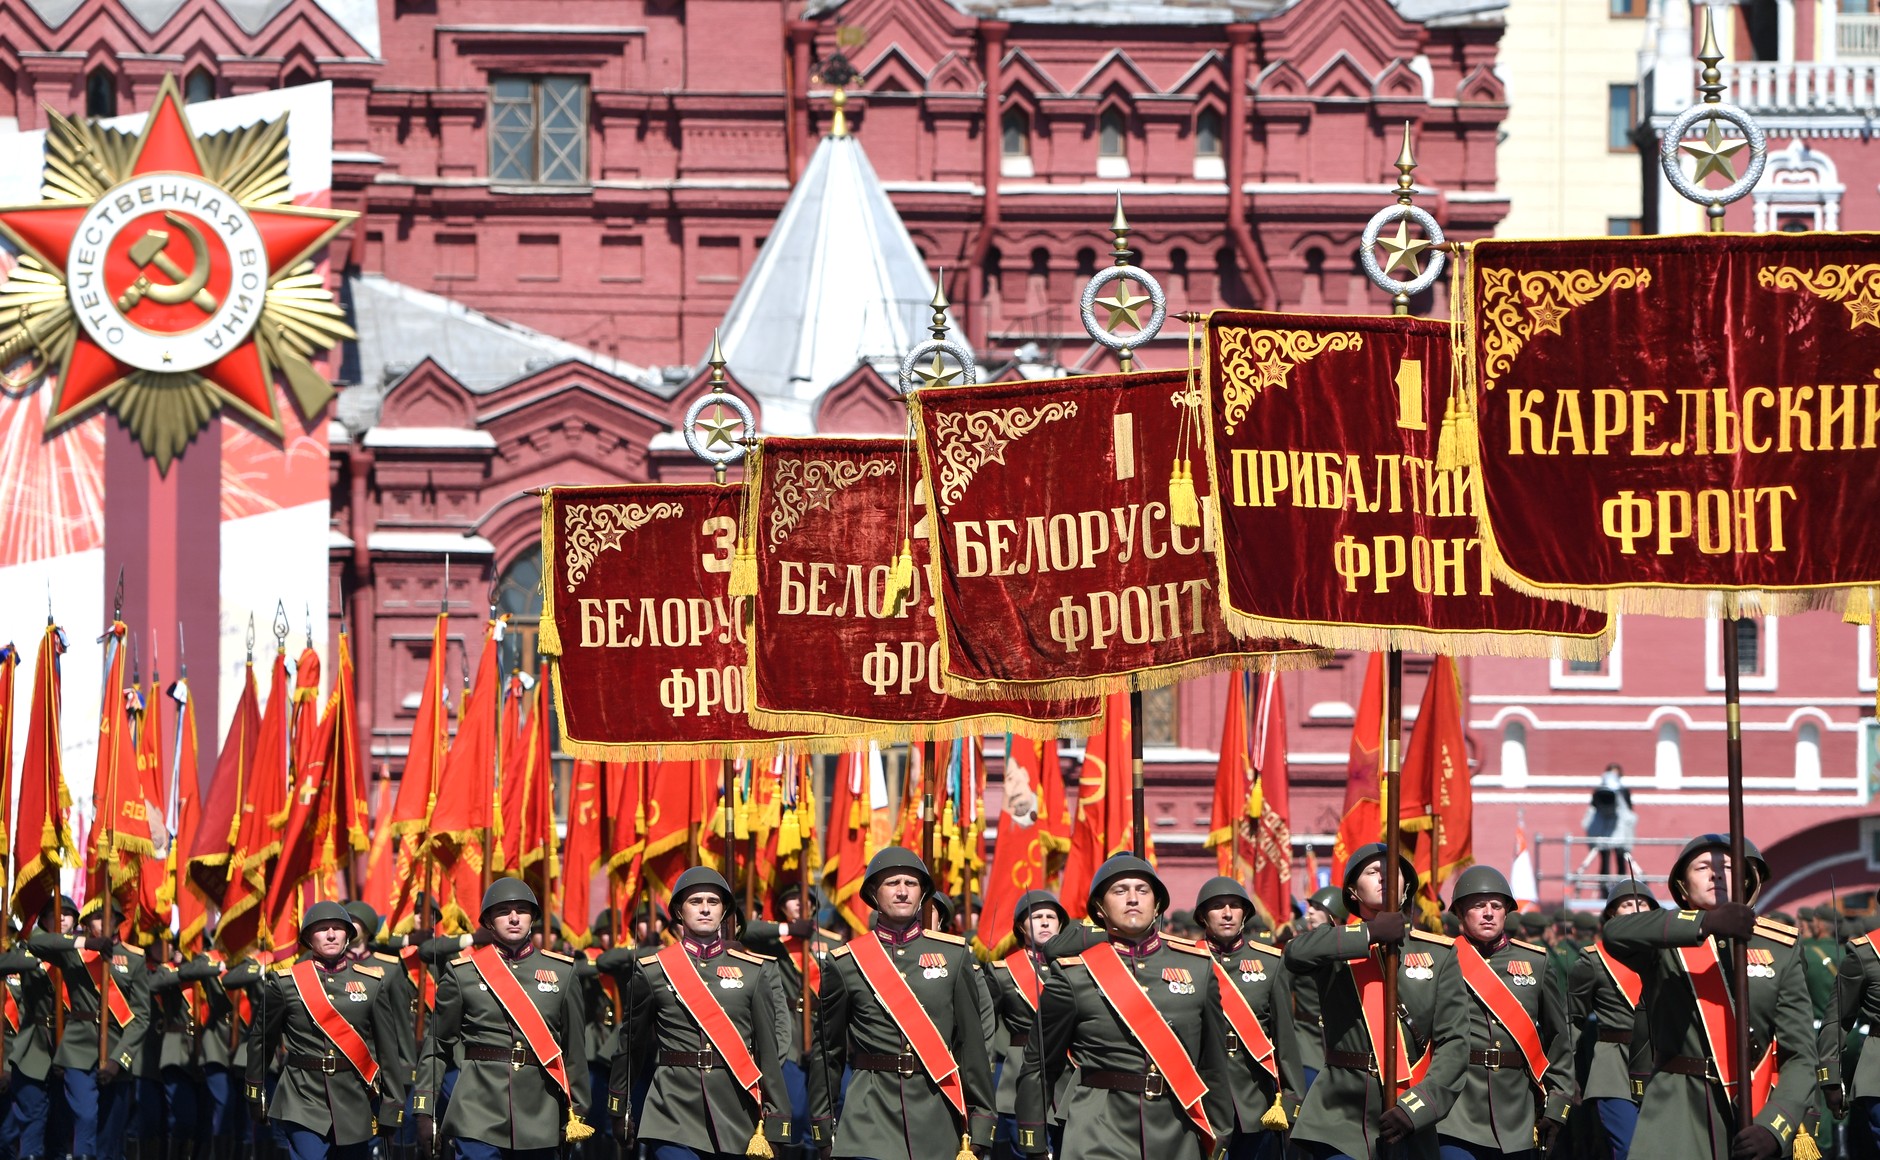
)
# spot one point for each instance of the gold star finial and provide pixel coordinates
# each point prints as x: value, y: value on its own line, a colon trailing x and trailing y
x: 1404, y: 250
x: 721, y: 430
x: 1124, y: 306
x: 1713, y: 154
x: 936, y: 374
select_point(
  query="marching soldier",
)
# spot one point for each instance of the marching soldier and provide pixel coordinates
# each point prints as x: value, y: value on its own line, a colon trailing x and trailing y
x: 1017, y: 983
x: 173, y: 1011
x: 1263, y: 1059
x: 1518, y: 1086
x: 1345, y: 1113
x: 29, y: 1018
x: 225, y: 1049
x: 1691, y: 1104
x: 1142, y: 1016
x: 900, y: 1005
x: 705, y: 1027
x: 1604, y: 1003
x: 339, y: 1023
x: 1820, y: 954
x: 784, y: 940
x: 1853, y: 1090
x: 107, y: 991
x: 606, y: 1013
x: 513, y: 1015
x: 1326, y: 906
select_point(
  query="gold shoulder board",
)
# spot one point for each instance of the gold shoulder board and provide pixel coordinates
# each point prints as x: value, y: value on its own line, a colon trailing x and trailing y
x: 369, y: 971
x: 1426, y: 936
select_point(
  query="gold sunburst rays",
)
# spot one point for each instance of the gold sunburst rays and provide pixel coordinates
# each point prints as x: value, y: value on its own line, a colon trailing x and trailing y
x: 35, y: 315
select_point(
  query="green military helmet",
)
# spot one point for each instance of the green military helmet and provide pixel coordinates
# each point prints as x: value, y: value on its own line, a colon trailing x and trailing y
x: 1033, y: 900
x: 943, y: 909
x: 1222, y: 889
x: 603, y: 922
x: 1585, y: 922
x: 784, y: 892
x: 365, y: 918
x: 321, y: 913
x: 894, y: 860
x: 1125, y: 866
x: 1752, y: 857
x: 1331, y: 900
x: 1783, y: 917
x: 1374, y: 852
x: 701, y: 878
x: 504, y: 891
x: 1534, y: 923
x: 1623, y: 889
x: 1481, y: 880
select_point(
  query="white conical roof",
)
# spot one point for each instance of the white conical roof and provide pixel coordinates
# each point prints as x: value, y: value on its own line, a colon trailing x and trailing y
x: 838, y: 282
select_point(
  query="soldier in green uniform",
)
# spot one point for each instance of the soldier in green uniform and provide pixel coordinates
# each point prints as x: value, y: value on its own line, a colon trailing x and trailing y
x: 1345, y: 1113
x: 900, y: 1005
x: 704, y: 1027
x: 1141, y: 1014
x: 784, y: 941
x: 170, y: 1053
x: 1563, y: 949
x: 106, y: 986
x: 606, y: 1013
x: 1519, y: 1083
x: 1265, y: 1076
x: 1819, y: 957
x: 338, y: 1021
x: 1603, y: 1001
x: 1325, y: 906
x: 1683, y: 959
x: 1017, y: 983
x: 30, y: 1047
x: 513, y: 1015
x: 1850, y: 1087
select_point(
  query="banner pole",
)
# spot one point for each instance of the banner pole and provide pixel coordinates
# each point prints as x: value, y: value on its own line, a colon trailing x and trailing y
x: 929, y: 854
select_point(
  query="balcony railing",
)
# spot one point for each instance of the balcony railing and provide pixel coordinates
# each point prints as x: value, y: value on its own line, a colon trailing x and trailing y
x: 1857, y: 34
x: 1805, y: 87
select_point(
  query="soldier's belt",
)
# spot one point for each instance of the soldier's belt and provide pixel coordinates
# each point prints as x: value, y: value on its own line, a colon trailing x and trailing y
x: 906, y: 1065
x: 1615, y: 1037
x: 1022, y: 1040
x: 702, y: 1060
x: 1352, y: 1060
x: 324, y: 1064
x: 1699, y: 1066
x: 516, y: 1057
x: 81, y: 1016
x: 1149, y: 1086
x: 1492, y: 1059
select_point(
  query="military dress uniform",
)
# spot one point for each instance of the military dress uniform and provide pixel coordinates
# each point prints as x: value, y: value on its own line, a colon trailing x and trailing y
x: 116, y: 987
x: 171, y: 1053
x: 343, y: 1082
x: 1266, y: 1077
x: 223, y: 1046
x: 1856, y: 1005
x: 894, y: 1109
x: 29, y: 1049
x: 1341, y: 1112
x: 1017, y: 983
x: 1128, y: 1101
x: 1603, y: 999
x: 786, y: 948
x: 1685, y: 1110
x: 509, y: 1099
x: 1308, y: 1034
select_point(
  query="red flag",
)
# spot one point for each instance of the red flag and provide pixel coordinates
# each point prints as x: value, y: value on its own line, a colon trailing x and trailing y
x: 1363, y: 775
x: 257, y: 840
x: 44, y: 832
x: 1018, y: 857
x: 343, y: 768
x: 1270, y: 811
x: 528, y: 842
x: 207, y: 857
x: 119, y: 824
x: 144, y: 898
x: 1105, y: 809
x: 9, y: 666
x: 846, y: 853
x: 308, y: 743
x: 623, y: 818
x: 417, y: 786
x: 582, y: 857
x: 1233, y: 781
x: 382, y: 863
x: 463, y: 816
x: 186, y: 807
x: 677, y: 798
x: 1437, y: 797
x: 317, y: 838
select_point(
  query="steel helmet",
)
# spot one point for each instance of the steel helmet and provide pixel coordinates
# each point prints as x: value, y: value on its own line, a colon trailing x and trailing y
x: 1032, y: 900
x: 1481, y: 880
x: 1758, y: 869
x: 321, y: 913
x: 1125, y: 866
x: 507, y: 890
x: 1222, y: 887
x: 702, y: 878
x: 1365, y: 855
x: 895, y: 860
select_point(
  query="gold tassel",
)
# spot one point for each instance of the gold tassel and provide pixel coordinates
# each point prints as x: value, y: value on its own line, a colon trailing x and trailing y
x: 744, y: 571
x: 1455, y: 444
x: 742, y: 826
x: 789, y: 838
x: 759, y: 1146
x: 855, y: 814
x: 577, y: 1130
x: 1256, y: 801
x: 1805, y: 1147
x: 1275, y: 1117
x: 1858, y: 607
x: 1184, y: 510
x: 900, y: 579
x: 966, y: 1149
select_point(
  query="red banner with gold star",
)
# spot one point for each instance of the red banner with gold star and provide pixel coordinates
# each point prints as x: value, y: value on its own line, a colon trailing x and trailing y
x: 1678, y: 425
x: 1071, y: 550
x: 1322, y: 445
x: 832, y: 649
x: 647, y: 640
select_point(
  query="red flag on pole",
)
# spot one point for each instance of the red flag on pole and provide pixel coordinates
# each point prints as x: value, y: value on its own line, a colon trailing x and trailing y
x: 343, y: 768
x: 186, y: 808
x: 1437, y: 798
x: 582, y: 857
x: 257, y: 840
x: 464, y: 810
x: 1362, y: 821
x: 9, y: 667
x: 845, y: 852
x: 528, y: 828
x: 144, y: 898
x: 417, y: 786
x: 118, y: 823
x: 207, y: 856
x: 1018, y: 857
x: 1105, y: 815
x: 43, y: 833
x: 1233, y: 780
x: 1271, y: 857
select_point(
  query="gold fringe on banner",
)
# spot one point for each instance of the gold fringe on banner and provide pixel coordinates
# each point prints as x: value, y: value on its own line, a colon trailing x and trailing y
x: 548, y: 637
x: 1138, y: 680
x: 1380, y: 638
x: 1458, y: 443
x: 838, y: 734
x: 744, y: 559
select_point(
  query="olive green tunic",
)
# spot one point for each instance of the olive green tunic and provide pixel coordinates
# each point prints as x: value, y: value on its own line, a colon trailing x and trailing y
x: 79, y: 1048
x: 1819, y: 956
x: 497, y: 1101
x: 704, y: 1109
x: 1254, y: 970
x: 29, y: 1050
x: 1499, y: 1104
x: 1343, y: 1108
x: 1856, y: 1003
x: 1016, y: 1019
x: 1600, y: 1010
x: 333, y: 1098
x: 773, y: 939
x: 1687, y: 1115
x: 1074, y: 1018
x: 887, y: 1115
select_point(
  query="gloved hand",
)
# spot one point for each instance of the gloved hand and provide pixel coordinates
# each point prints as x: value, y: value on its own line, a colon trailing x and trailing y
x: 1835, y: 1097
x: 257, y: 1111
x: 427, y: 1136
x: 1755, y: 1142
x: 1388, y: 928
x: 109, y: 1071
x: 1548, y: 1131
x: 801, y: 928
x: 627, y: 1134
x: 1396, y: 1126
x: 1729, y: 920
x: 484, y: 937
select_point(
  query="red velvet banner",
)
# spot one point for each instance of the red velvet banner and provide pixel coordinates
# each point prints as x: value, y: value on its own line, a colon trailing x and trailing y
x: 1682, y: 425
x: 1322, y: 445
x: 1062, y: 570
x: 649, y: 645
x: 829, y: 653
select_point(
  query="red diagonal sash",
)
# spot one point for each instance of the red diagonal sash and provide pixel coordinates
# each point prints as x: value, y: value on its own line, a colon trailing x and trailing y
x: 1024, y: 976
x: 1122, y: 992
x: 522, y: 1012
x: 1368, y: 977
x: 13, y: 1011
x: 1500, y: 1000
x: 1627, y: 980
x: 704, y: 1007
x: 1245, y: 1023
x: 804, y: 954
x: 910, y: 1017
x: 108, y: 991
x: 1717, y: 1013
x: 344, y: 1035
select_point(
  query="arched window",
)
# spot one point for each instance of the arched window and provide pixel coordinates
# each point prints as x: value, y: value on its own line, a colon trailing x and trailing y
x: 519, y: 593
x: 1208, y: 133
x: 1110, y: 132
x: 1668, y: 756
x: 198, y: 86
x: 1015, y: 133
x: 1808, y: 756
x: 1514, y: 754
x: 100, y: 94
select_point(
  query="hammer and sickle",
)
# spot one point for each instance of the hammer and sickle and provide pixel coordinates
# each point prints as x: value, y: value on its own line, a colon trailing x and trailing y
x: 149, y: 250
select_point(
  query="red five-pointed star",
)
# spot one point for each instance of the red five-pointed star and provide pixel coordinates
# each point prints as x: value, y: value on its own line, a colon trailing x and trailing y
x: 288, y: 234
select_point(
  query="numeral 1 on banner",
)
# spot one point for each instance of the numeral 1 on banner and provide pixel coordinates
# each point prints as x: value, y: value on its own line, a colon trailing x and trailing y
x: 1410, y: 395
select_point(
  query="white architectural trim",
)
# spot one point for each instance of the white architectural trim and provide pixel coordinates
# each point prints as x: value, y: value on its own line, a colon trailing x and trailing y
x: 1713, y: 657
x: 1560, y: 674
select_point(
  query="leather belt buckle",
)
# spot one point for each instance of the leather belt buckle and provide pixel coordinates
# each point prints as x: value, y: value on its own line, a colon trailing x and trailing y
x: 908, y: 1065
x: 329, y: 1065
x: 1154, y: 1086
x: 705, y: 1061
x: 1233, y: 1044
x: 1492, y: 1057
x: 517, y: 1057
